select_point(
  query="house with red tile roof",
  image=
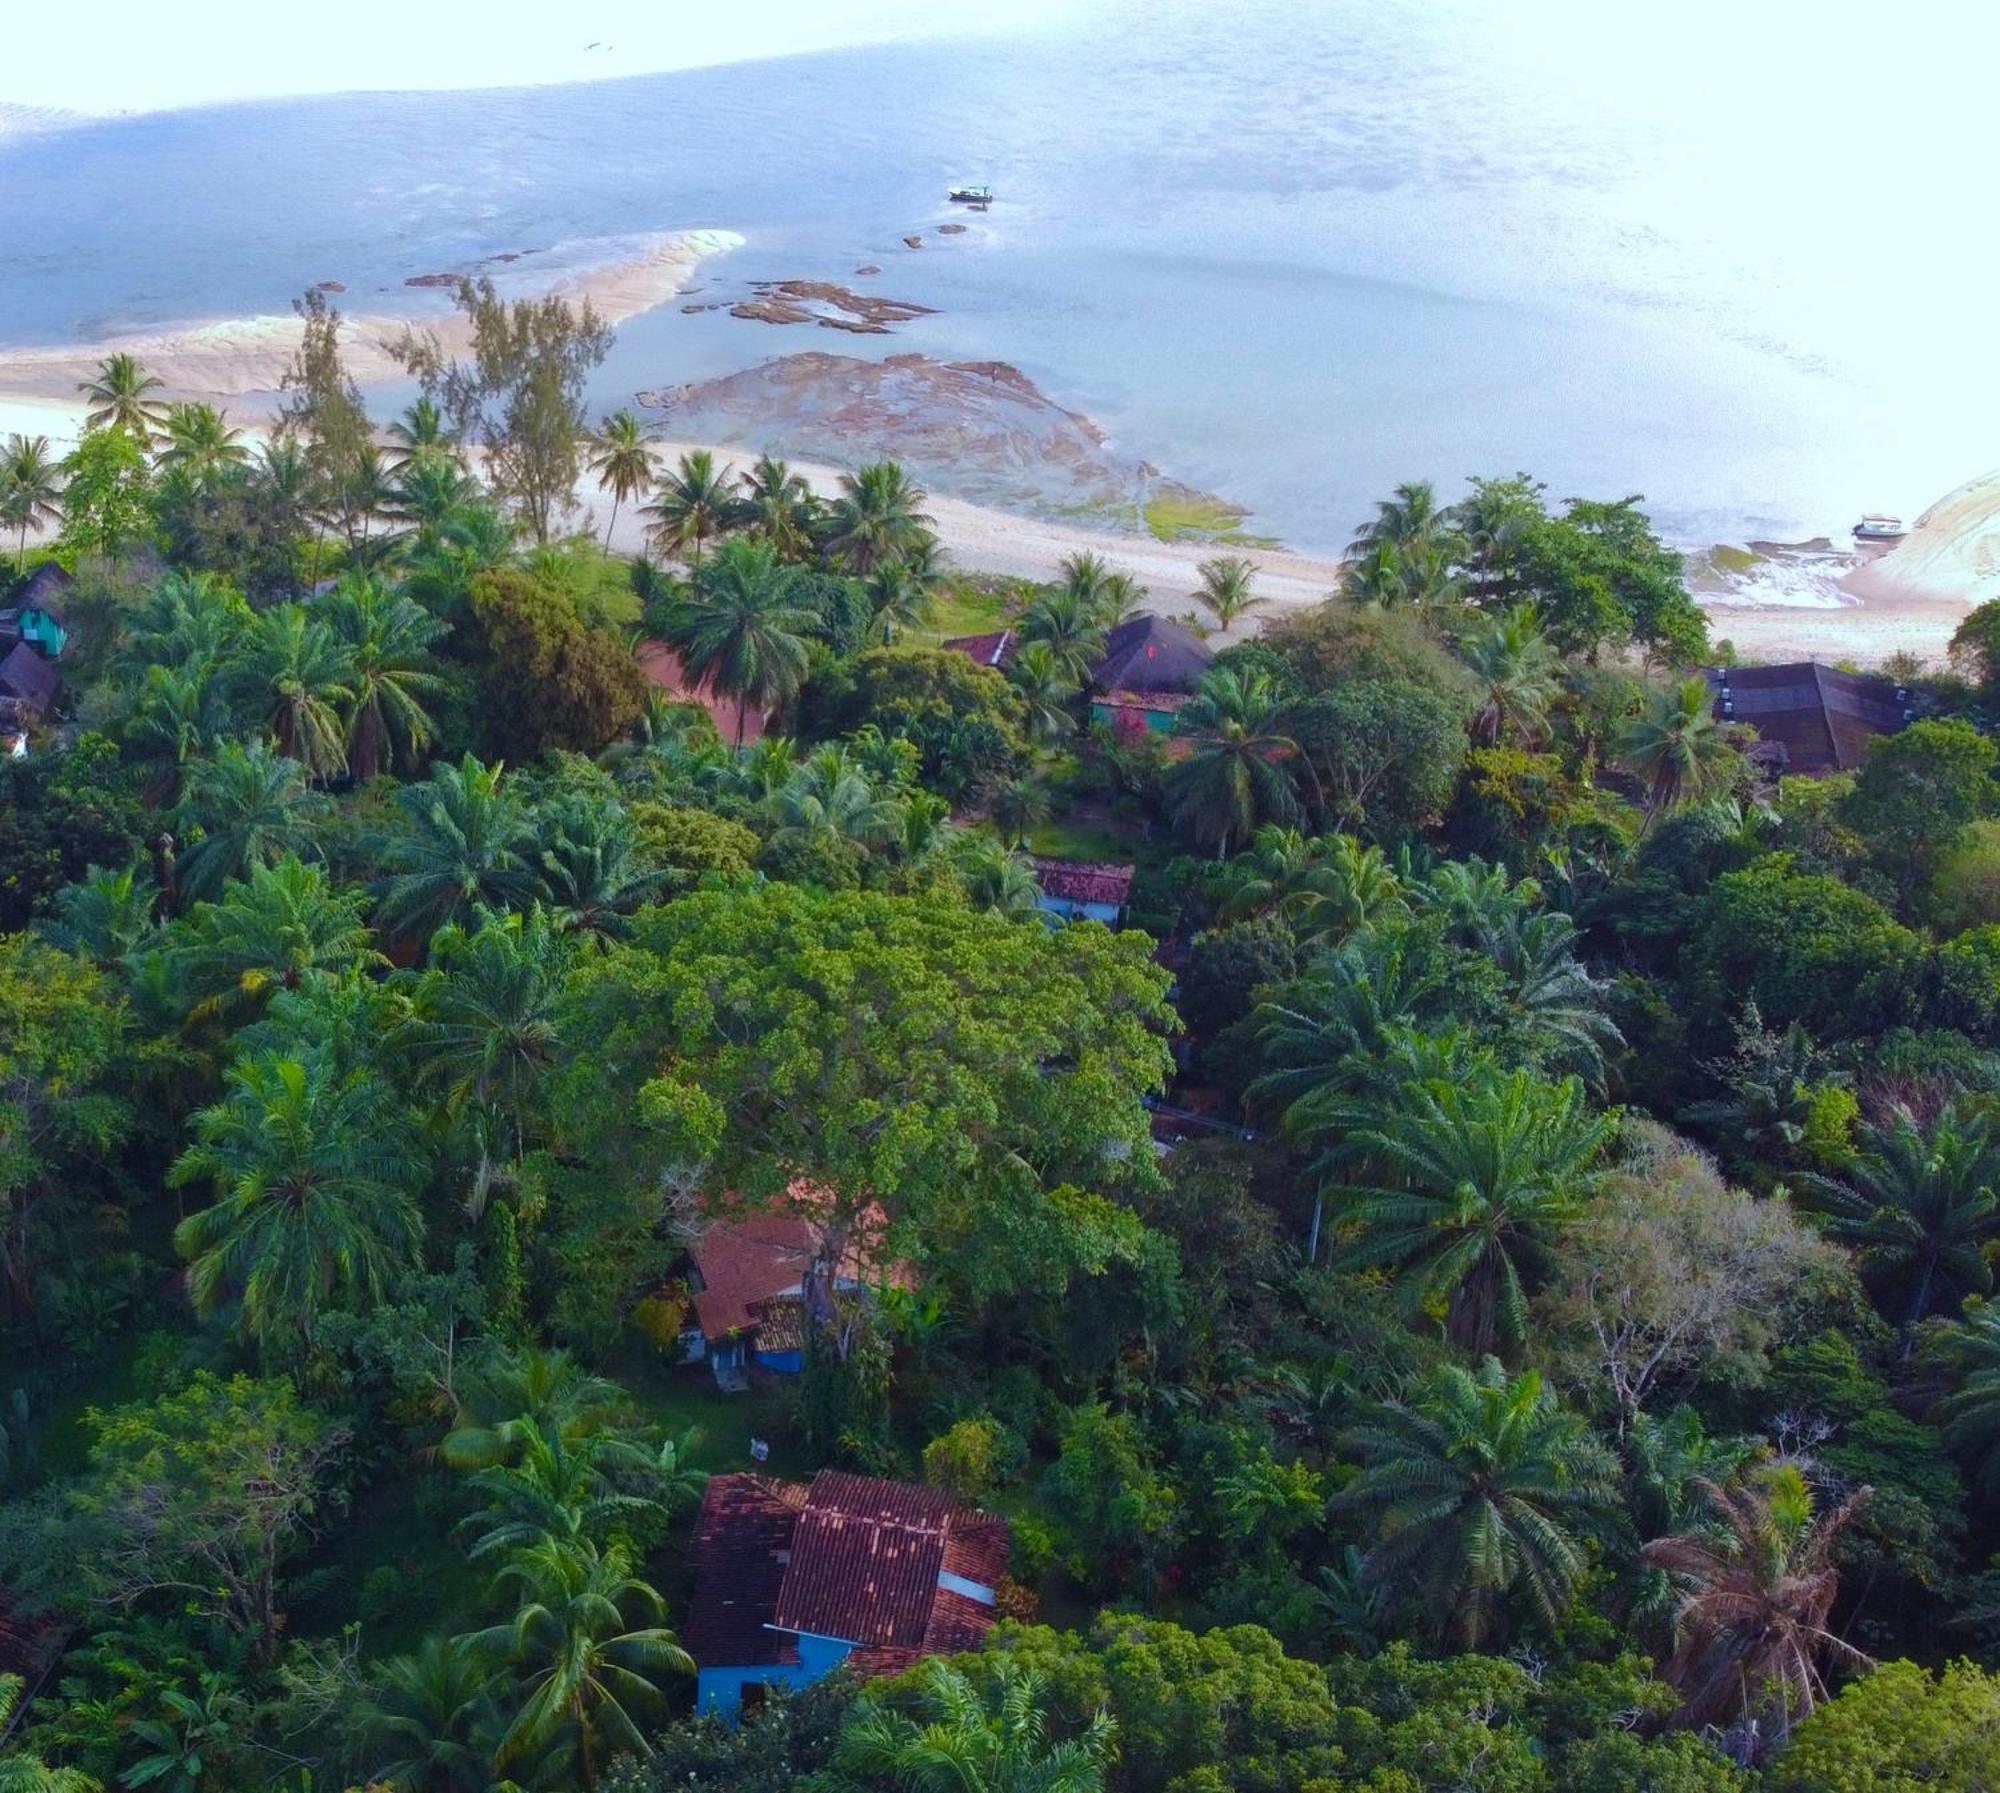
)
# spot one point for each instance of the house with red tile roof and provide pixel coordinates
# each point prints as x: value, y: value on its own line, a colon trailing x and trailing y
x: 995, y: 649
x: 1083, y: 890
x: 793, y: 1581
x: 663, y: 669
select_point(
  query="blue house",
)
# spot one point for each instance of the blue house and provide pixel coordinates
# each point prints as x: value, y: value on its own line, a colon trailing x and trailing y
x: 792, y: 1581
x: 1076, y: 890
x: 34, y: 614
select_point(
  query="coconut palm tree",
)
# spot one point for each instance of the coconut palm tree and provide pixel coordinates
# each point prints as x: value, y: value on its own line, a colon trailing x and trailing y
x: 1065, y: 622
x: 30, y: 491
x: 106, y: 915
x: 1482, y: 1490
x: 993, y: 876
x: 1519, y: 674
x: 621, y: 460
x: 1919, y: 1207
x: 313, y: 1174
x: 963, y: 1741
x: 362, y: 491
x: 1676, y: 746
x: 1464, y: 1188
x: 295, y: 676
x: 1325, y: 888
x: 427, y: 1721
x: 1756, y: 1587
x: 878, y: 517
x: 388, y: 638
x: 1084, y: 577
x: 120, y: 396
x: 199, y: 439
x: 1971, y: 1411
x: 742, y: 628
x: 482, y: 1035
x: 1405, y: 575
x: 1235, y: 775
x: 558, y: 1487
x: 463, y: 845
x: 830, y: 795
x: 779, y: 506
x: 1037, y: 673
x: 1412, y: 516
x: 593, y: 871
x: 1016, y: 807
x: 1558, y: 1018
x: 584, y: 1665
x: 431, y: 490
x: 1119, y: 598
x: 898, y: 598
x: 509, y: 1393
x: 273, y: 930
x: 243, y: 807
x: 694, y: 506
x: 419, y: 435
x: 1225, y: 591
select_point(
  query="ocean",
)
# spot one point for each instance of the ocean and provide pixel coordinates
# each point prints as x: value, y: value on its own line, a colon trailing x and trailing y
x: 1737, y: 259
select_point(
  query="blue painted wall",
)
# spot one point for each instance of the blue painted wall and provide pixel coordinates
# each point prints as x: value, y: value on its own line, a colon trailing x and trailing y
x: 720, y: 1690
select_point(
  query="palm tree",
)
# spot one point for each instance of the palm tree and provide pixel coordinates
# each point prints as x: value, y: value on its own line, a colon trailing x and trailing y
x: 994, y: 877
x: 1016, y: 807
x: 511, y: 1393
x: 430, y: 492
x: 1065, y: 622
x: 296, y: 675
x: 1971, y: 1412
x: 878, y: 517
x: 1325, y: 889
x: 1046, y: 688
x: 1470, y: 1184
x: 246, y: 806
x: 1083, y: 576
x: 463, y: 845
x: 742, y: 629
x: 961, y: 1742
x: 30, y: 491
x: 584, y: 1664
x: 553, y: 1486
x: 274, y: 930
x: 1478, y: 1486
x: 1225, y: 591
x: 831, y: 796
x: 388, y: 637
x: 1676, y: 746
x: 621, y: 460
x: 120, y: 397
x: 694, y: 505
x: 898, y: 598
x: 1120, y: 596
x: 1756, y: 1590
x: 199, y: 439
x: 106, y: 915
x: 312, y: 1173
x: 1234, y: 777
x: 428, y: 1721
x: 1411, y: 517
x: 593, y: 870
x: 1519, y: 674
x: 22, y: 1772
x: 362, y: 491
x: 1919, y: 1207
x: 419, y: 436
x: 779, y: 506
x: 1558, y: 1014
x: 483, y: 1036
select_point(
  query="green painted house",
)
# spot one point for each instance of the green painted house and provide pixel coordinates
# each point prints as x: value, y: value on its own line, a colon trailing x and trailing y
x: 34, y: 612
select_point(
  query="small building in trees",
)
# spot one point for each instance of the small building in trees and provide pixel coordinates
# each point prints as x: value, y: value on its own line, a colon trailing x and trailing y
x: 1149, y: 669
x: 994, y: 650
x: 34, y: 614
x: 1083, y: 890
x: 28, y: 686
x: 665, y: 673
x: 1810, y: 719
x: 794, y: 1580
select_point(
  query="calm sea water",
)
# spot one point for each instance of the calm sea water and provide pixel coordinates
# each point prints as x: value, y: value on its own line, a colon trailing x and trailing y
x: 1290, y: 252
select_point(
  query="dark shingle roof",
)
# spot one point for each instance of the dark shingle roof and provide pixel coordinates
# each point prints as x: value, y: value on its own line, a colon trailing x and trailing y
x: 741, y: 1544
x: 26, y: 675
x: 1148, y: 653
x: 1822, y: 717
x: 44, y: 588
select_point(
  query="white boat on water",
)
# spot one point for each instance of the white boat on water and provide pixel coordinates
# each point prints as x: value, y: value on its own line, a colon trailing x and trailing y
x: 1877, y: 528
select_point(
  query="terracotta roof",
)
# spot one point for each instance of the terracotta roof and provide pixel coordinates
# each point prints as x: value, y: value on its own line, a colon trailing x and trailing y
x: 663, y: 667
x: 742, y: 1543
x: 989, y: 650
x: 1149, y: 653
x: 1822, y: 717
x: 1166, y: 703
x: 25, y: 675
x: 1076, y: 881
x: 759, y: 1258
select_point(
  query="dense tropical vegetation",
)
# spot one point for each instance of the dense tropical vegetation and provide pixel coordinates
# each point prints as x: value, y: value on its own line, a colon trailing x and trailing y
x: 1555, y: 1348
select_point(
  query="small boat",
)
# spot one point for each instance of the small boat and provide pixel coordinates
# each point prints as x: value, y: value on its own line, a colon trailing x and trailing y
x: 1877, y: 528
x: 970, y: 196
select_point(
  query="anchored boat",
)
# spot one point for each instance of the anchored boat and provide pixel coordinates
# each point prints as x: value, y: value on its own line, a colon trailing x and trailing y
x: 980, y: 196
x: 1877, y: 528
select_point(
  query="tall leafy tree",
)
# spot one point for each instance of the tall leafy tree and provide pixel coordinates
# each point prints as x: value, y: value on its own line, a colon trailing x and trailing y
x: 878, y: 517
x: 120, y: 396
x: 742, y: 628
x: 245, y: 806
x: 107, y: 495
x: 30, y: 491
x: 621, y: 460
x: 313, y: 1172
x: 1482, y: 1491
x: 1235, y: 775
x: 695, y: 505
